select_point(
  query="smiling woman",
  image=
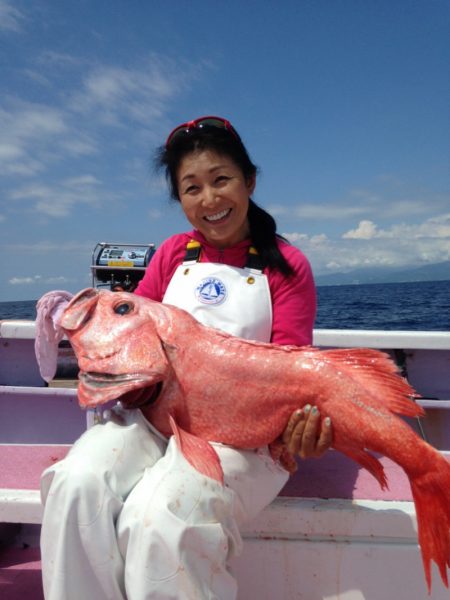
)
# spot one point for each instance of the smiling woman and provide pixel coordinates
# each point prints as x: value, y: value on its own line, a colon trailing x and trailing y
x: 202, y: 146
x: 167, y: 529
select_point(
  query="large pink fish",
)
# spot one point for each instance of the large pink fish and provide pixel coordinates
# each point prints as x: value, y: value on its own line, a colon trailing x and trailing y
x: 206, y: 385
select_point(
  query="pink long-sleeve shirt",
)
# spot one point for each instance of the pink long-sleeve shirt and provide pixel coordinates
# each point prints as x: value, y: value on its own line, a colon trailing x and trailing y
x: 293, y: 298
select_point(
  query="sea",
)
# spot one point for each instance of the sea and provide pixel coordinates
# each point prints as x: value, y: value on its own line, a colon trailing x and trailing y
x: 414, y: 306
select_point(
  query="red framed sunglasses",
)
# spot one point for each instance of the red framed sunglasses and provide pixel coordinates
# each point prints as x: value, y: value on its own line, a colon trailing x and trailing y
x: 218, y: 122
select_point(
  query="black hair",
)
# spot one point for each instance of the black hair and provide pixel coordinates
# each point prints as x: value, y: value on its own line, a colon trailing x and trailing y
x: 263, y: 228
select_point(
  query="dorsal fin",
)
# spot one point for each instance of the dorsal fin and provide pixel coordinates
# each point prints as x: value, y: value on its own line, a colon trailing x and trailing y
x: 380, y: 375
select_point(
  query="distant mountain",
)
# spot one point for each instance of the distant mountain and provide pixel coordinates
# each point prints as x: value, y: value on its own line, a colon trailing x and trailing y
x: 433, y: 272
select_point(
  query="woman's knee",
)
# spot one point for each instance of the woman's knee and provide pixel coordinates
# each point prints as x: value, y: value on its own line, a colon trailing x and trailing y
x: 78, y: 492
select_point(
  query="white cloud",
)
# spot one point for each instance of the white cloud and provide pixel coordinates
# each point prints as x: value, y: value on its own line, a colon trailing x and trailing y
x: 366, y: 230
x: 45, y: 247
x: 79, y: 147
x: 155, y: 214
x: 318, y: 211
x: 37, y: 120
x: 39, y: 279
x: 401, y: 245
x: 36, y: 77
x: 36, y: 136
x: 296, y: 238
x: 386, y: 208
x: 10, y: 151
x: 25, y: 280
x: 81, y: 181
x: 11, y: 18
x: 28, y: 131
x: 392, y: 198
x: 23, y: 168
x: 58, y: 200
x: 40, y: 139
x: 389, y: 199
x: 434, y: 227
x: 141, y: 93
x: 328, y: 211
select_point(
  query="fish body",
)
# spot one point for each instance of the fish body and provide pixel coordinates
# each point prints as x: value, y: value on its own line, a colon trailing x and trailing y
x: 204, y: 385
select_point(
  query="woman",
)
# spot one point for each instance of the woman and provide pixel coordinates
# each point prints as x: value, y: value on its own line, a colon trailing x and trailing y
x: 125, y: 515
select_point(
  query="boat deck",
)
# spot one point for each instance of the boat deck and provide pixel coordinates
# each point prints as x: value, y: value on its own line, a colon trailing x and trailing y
x: 20, y: 574
x: 332, y: 534
x: 333, y: 476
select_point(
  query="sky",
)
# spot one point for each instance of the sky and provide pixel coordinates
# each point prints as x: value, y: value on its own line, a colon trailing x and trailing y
x: 343, y: 105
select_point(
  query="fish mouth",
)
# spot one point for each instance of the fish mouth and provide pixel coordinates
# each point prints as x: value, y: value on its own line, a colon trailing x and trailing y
x: 102, y: 380
x: 132, y: 389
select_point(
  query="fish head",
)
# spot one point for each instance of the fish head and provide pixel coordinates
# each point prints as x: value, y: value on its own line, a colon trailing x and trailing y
x: 119, y: 351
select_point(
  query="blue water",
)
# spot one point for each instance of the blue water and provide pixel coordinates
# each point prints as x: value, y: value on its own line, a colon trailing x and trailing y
x: 392, y: 306
x: 18, y: 310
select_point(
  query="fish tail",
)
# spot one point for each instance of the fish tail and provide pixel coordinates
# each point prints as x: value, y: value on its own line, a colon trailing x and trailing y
x: 431, y: 493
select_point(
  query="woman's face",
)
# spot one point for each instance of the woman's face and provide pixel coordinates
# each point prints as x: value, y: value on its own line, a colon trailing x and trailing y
x: 214, y: 195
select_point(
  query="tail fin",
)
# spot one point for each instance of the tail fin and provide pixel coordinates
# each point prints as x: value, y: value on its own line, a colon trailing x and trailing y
x: 431, y: 492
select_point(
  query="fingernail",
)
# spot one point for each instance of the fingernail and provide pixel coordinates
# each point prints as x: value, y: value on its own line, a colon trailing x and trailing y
x: 298, y: 412
x: 307, y: 408
x: 315, y: 410
x: 327, y: 421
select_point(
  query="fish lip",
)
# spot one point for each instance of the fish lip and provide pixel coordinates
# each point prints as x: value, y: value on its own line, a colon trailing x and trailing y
x: 102, y: 381
x: 98, y: 388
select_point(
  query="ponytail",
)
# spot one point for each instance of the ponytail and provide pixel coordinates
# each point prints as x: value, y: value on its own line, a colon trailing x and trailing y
x: 263, y: 233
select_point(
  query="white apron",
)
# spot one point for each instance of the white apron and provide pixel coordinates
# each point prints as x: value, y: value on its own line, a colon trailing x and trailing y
x: 228, y: 298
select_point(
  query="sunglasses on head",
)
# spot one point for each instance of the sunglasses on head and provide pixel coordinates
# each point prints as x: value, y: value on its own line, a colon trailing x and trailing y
x: 217, y: 122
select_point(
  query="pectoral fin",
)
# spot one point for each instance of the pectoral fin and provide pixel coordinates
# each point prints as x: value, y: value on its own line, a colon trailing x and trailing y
x: 199, y: 453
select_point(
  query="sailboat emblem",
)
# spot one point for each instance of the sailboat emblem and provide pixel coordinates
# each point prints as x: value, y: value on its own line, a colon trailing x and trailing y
x: 211, y: 291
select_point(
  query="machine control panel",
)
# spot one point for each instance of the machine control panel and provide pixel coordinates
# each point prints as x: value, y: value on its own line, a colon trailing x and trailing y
x: 120, y: 266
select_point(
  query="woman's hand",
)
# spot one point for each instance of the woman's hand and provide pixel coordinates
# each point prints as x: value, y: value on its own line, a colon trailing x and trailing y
x: 306, y: 435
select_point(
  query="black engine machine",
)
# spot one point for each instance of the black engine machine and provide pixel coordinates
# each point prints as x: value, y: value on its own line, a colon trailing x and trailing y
x: 120, y: 266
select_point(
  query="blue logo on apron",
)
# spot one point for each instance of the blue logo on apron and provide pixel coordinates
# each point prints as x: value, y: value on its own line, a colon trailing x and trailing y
x: 211, y: 291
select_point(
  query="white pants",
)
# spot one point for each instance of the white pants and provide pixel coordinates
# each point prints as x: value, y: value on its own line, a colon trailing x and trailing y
x: 126, y: 516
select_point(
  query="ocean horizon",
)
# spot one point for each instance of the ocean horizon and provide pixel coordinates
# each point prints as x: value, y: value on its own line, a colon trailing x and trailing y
x: 415, y: 306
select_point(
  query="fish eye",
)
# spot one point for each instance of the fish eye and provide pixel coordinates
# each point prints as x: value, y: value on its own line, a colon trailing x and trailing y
x: 124, y: 308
